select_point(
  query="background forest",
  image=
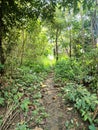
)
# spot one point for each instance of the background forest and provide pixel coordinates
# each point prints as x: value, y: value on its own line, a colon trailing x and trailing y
x: 38, y: 37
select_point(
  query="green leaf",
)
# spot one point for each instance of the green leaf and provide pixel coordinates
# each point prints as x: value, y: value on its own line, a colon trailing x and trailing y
x: 92, y: 127
x: 1, y: 101
x: 24, y: 104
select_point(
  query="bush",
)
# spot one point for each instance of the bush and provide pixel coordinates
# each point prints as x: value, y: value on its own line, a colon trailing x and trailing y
x: 69, y: 69
x: 82, y: 71
x: 90, y: 65
x: 1, y: 66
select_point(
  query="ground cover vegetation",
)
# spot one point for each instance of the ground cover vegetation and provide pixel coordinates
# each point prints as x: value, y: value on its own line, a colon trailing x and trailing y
x: 38, y: 37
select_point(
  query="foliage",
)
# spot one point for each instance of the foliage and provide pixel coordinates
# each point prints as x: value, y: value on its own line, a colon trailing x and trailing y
x: 91, y: 68
x: 69, y: 69
x: 92, y: 127
x: 79, y: 75
x: 2, y: 101
x: 83, y: 70
x: 24, y: 91
x: 83, y: 100
x: 19, y: 11
x: 17, y: 14
x: 22, y: 127
x: 1, y: 66
x: 24, y: 104
x: 1, y: 119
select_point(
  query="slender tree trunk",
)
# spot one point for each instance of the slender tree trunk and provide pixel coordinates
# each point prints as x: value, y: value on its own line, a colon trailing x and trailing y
x: 82, y: 27
x: 92, y: 33
x: 70, y: 45
x: 70, y: 34
x: 56, y: 45
x: 96, y: 21
x: 2, y: 58
x: 22, y: 48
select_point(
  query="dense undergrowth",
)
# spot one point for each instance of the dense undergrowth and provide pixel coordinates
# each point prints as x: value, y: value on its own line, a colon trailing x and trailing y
x: 21, y: 94
x: 78, y: 80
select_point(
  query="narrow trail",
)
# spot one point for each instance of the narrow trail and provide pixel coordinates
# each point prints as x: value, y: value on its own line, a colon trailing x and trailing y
x: 61, y: 116
x: 52, y: 104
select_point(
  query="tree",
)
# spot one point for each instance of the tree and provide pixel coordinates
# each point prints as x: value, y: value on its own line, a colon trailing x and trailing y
x: 16, y: 13
x: 56, y: 28
x: 95, y: 22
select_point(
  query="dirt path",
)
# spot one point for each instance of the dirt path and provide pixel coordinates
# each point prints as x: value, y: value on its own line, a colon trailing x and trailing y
x: 61, y: 116
x: 52, y: 105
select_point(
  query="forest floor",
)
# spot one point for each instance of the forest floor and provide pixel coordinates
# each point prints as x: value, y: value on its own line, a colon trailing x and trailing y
x: 61, y: 114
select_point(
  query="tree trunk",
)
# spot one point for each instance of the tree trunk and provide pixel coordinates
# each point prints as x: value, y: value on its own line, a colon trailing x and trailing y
x: 56, y: 45
x: 96, y: 21
x: 22, y: 48
x: 82, y: 28
x: 70, y: 34
x: 70, y: 45
x: 2, y: 58
x: 92, y: 33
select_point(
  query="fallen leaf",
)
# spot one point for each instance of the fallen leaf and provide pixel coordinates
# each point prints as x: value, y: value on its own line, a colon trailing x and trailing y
x: 53, y: 98
x: 69, y: 108
x: 43, y: 85
x: 56, y: 85
x: 37, y: 128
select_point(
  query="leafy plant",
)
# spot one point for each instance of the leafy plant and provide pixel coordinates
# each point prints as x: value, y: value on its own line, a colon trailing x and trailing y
x: 69, y: 69
x: 83, y: 70
x: 92, y: 127
x: 22, y: 127
x: 2, y: 101
x: 1, y: 66
x: 24, y: 91
x: 24, y: 104
x: 1, y: 119
x: 83, y: 100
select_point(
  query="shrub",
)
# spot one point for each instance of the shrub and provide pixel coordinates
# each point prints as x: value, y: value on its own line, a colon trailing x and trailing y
x: 69, y: 69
